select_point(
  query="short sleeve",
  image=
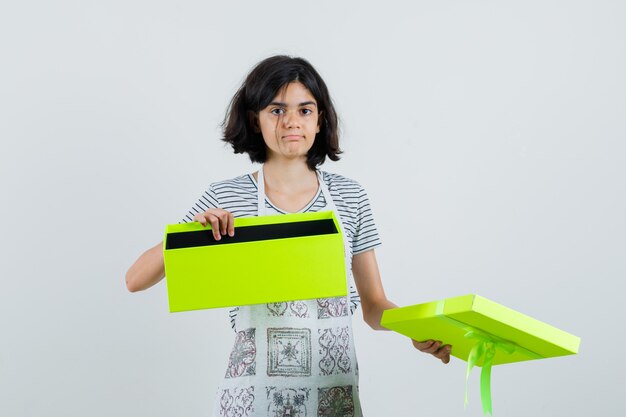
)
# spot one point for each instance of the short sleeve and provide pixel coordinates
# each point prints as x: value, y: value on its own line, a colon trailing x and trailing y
x: 206, y: 201
x: 366, y: 235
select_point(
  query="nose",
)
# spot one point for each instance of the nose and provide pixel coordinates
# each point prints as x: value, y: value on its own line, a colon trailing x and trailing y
x: 291, y: 119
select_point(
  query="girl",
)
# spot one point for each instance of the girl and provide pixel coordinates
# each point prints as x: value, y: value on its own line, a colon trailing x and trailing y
x: 291, y: 358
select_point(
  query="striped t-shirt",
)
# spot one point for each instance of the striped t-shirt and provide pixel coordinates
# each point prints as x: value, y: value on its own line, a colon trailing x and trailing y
x: 239, y: 196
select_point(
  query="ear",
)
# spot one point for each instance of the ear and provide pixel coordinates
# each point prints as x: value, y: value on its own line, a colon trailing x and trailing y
x: 253, y: 119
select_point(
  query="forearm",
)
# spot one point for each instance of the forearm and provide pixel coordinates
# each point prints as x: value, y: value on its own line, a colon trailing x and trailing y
x: 374, y: 313
x: 147, y: 270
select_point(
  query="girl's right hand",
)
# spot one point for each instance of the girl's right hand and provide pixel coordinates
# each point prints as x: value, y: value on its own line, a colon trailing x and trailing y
x: 221, y: 222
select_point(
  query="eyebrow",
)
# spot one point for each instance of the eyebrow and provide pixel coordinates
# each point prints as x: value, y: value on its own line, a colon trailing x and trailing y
x: 281, y: 104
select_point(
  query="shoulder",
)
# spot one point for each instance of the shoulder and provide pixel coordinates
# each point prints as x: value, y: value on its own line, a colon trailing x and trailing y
x: 237, y: 195
x: 340, y: 183
x: 237, y: 184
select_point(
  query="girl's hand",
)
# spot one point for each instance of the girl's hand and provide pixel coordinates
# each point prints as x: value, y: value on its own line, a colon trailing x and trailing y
x: 435, y: 348
x: 221, y: 222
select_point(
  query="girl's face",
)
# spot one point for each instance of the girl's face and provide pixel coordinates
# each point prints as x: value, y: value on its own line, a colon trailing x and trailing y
x: 289, y: 123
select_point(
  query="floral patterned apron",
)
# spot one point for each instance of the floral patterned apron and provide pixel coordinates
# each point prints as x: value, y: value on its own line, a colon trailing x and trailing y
x: 293, y: 359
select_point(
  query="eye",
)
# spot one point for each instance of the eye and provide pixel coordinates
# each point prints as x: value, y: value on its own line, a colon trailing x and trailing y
x: 307, y: 112
x: 277, y: 111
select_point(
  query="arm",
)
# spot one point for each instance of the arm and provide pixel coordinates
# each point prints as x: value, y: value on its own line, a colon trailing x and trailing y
x: 150, y: 268
x: 374, y: 301
x: 370, y: 288
x: 147, y: 270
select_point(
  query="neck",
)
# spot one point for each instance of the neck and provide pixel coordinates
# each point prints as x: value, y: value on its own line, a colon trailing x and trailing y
x: 288, y: 174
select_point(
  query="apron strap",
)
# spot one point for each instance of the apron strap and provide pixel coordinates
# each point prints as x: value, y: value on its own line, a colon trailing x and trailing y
x: 330, y: 203
x: 262, y: 210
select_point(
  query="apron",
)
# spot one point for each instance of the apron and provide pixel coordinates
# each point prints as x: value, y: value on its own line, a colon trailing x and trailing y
x: 295, y: 358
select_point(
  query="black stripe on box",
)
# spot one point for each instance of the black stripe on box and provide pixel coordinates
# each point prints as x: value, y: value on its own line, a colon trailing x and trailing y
x: 252, y: 234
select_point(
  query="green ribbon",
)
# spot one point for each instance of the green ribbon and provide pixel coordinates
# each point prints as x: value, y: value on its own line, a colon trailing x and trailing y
x: 485, y: 349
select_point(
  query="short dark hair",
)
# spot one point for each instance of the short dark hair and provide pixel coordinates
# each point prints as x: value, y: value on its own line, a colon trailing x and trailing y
x: 258, y: 90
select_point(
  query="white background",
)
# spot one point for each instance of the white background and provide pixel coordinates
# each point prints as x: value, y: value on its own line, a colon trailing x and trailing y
x: 490, y: 136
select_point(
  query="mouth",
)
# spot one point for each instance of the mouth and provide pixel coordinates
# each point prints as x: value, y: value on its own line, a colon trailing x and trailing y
x: 293, y: 137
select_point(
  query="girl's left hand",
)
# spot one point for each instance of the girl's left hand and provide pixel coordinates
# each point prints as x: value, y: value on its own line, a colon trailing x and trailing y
x: 435, y: 348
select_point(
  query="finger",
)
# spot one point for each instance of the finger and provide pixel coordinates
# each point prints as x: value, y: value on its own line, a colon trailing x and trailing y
x: 200, y: 219
x: 223, y: 218
x: 434, y: 348
x: 215, y: 224
x: 231, y: 224
x: 444, y: 358
x: 423, y: 345
x: 444, y: 353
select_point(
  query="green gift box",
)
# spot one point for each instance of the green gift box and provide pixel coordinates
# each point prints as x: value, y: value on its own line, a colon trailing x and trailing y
x: 451, y: 319
x: 269, y: 259
x: 481, y: 332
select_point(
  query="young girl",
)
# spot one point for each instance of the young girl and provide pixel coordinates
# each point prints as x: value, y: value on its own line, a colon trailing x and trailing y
x: 291, y: 358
